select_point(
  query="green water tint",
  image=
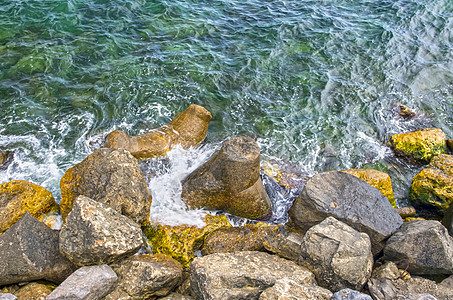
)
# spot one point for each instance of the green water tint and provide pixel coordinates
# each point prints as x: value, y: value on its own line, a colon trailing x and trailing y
x: 315, y: 81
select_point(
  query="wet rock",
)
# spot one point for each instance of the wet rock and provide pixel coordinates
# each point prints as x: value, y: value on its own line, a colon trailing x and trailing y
x: 5, y: 159
x: 181, y: 242
x: 19, y: 196
x: 348, y: 294
x: 339, y: 256
x: 112, y: 177
x: 287, y: 288
x: 405, y: 112
x: 95, y: 234
x: 285, y: 242
x: 249, y: 237
x: 242, y: 275
x: 425, y: 245
x: 406, y: 212
x: 419, y: 146
x: 146, y: 276
x: 447, y: 221
x: 188, y: 129
x: 285, y: 175
x: 377, y: 179
x: 230, y: 181
x: 176, y: 296
x: 93, y: 282
x: 29, y: 251
x: 34, y: 291
x: 7, y: 296
x: 348, y: 199
x: 432, y: 187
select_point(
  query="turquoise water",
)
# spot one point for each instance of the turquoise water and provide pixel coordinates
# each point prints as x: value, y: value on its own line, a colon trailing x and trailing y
x: 316, y: 82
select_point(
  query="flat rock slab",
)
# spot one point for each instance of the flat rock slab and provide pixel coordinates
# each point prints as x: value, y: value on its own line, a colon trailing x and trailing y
x: 29, y: 251
x: 287, y: 288
x: 349, y: 200
x: 93, y: 282
x: 242, y: 275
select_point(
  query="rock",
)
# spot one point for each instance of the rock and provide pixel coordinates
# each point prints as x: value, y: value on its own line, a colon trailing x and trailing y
x: 406, y: 112
x: 419, y: 146
x: 377, y: 179
x: 112, y: 177
x: 146, y: 276
x: 425, y: 245
x: 230, y: 181
x: 406, y: 212
x: 95, y: 234
x: 93, y: 282
x: 249, y: 237
x: 287, y: 288
x: 450, y: 145
x: 348, y: 199
x: 34, y: 291
x: 176, y: 296
x: 188, y: 129
x: 242, y: 275
x: 388, y: 270
x: 417, y: 297
x: 339, y: 256
x: 5, y: 159
x: 447, y: 221
x: 29, y: 251
x: 348, y: 294
x: 285, y: 242
x: 432, y: 187
x: 181, y: 242
x: 285, y: 175
x: 19, y: 196
x: 7, y: 296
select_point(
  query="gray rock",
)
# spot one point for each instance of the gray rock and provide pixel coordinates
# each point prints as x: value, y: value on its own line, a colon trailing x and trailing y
x: 388, y: 270
x: 7, y: 296
x: 425, y: 245
x: 285, y: 242
x: 447, y: 221
x: 348, y: 294
x: 95, y: 234
x: 29, y: 251
x: 146, y: 276
x: 348, y: 199
x: 339, y: 256
x: 90, y: 283
x: 176, y: 296
x: 382, y: 289
x: 242, y: 275
x: 287, y: 288
x: 417, y: 297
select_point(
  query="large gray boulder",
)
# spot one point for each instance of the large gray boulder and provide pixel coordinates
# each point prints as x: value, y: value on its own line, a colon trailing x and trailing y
x: 242, y: 275
x: 146, y: 276
x: 29, y: 251
x: 348, y: 199
x: 348, y: 294
x: 425, y: 245
x: 87, y: 283
x: 96, y: 234
x: 288, y: 288
x: 339, y: 256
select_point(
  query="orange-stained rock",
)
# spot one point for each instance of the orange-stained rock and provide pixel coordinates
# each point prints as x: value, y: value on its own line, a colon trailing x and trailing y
x: 188, y: 129
x: 18, y: 196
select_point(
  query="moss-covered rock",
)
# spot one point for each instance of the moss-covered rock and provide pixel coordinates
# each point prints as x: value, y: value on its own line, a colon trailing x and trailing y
x: 181, y: 242
x: 19, y: 196
x: 35, y: 291
x: 377, y: 179
x: 433, y: 186
x: 419, y: 146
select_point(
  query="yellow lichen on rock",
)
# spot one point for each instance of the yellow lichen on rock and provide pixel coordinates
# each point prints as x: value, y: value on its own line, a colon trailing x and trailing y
x: 20, y: 196
x: 181, y: 242
x: 377, y: 179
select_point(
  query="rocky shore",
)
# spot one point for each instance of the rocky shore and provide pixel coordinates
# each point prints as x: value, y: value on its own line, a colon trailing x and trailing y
x: 345, y: 238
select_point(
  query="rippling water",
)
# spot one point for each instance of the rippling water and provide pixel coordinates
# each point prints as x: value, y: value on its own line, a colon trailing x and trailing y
x: 316, y: 82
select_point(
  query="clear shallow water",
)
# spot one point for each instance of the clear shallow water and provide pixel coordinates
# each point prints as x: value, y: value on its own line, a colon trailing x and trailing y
x: 316, y: 82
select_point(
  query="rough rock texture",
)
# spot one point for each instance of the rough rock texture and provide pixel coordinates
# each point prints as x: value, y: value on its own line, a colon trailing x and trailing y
x: 29, y: 251
x: 176, y: 296
x: 242, y: 275
x: 406, y: 212
x: 339, y: 256
x: 348, y: 294
x: 450, y: 145
x: 419, y: 146
x: 388, y: 270
x: 112, y: 177
x: 95, y: 234
x: 181, y: 242
x: 287, y: 288
x: 425, y: 245
x: 433, y: 186
x: 377, y: 179
x: 348, y: 199
x: 285, y: 242
x: 249, y: 237
x: 188, y: 129
x: 146, y: 276
x: 93, y: 282
x: 34, y: 291
x: 19, y: 196
x: 230, y: 181
x: 285, y: 175
x: 7, y: 296
x: 405, y: 111
x: 447, y: 221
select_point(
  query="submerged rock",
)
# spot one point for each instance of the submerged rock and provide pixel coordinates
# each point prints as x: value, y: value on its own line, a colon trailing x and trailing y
x: 405, y: 112
x: 230, y: 181
x: 433, y: 186
x: 20, y: 196
x: 112, y: 177
x: 287, y: 288
x: 188, y: 129
x: 419, y: 146
x: 5, y: 158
